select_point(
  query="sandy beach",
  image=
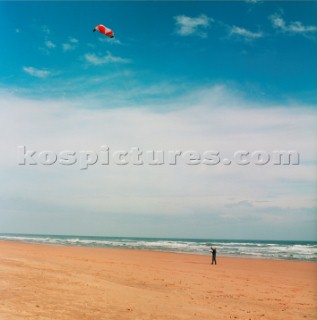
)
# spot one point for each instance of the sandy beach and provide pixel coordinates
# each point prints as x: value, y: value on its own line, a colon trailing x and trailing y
x: 55, y: 282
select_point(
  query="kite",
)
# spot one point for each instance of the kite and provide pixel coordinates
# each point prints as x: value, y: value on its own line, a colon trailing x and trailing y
x: 104, y: 30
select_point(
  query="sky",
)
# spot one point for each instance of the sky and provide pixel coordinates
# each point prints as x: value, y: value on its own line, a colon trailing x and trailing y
x: 185, y: 76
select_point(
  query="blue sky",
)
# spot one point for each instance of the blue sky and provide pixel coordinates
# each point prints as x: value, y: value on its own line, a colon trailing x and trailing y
x: 274, y: 62
x: 177, y: 75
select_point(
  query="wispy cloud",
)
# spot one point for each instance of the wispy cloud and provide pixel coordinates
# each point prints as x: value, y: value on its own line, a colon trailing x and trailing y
x: 108, y: 58
x: 71, y: 45
x: 45, y: 29
x: 67, y: 47
x: 294, y: 27
x: 110, y: 40
x: 49, y: 44
x: 38, y: 73
x: 73, y: 40
x: 244, y: 33
x: 186, y: 26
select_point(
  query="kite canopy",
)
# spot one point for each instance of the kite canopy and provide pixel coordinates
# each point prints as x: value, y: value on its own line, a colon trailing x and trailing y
x: 104, y: 30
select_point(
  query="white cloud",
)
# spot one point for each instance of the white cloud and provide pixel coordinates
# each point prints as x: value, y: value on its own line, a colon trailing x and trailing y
x: 216, y: 119
x: 186, y: 26
x: 110, y: 40
x: 38, y: 73
x: 108, y: 58
x: 17, y: 30
x: 49, y: 44
x: 71, y: 45
x: 244, y: 33
x: 73, y: 40
x: 294, y: 27
x: 68, y: 47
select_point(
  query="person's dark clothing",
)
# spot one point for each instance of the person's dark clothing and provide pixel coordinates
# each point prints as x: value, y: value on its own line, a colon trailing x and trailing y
x: 214, y: 253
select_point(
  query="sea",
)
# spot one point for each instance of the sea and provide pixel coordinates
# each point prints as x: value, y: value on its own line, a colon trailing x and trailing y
x: 265, y: 249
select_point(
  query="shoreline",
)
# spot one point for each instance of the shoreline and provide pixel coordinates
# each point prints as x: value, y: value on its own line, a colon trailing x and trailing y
x: 283, y: 251
x: 155, y: 251
x: 71, y: 282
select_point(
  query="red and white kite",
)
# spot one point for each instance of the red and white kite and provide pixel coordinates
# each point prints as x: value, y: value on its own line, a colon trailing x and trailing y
x: 104, y: 30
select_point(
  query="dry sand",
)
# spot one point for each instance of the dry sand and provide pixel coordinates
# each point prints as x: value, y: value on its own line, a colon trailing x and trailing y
x: 54, y: 282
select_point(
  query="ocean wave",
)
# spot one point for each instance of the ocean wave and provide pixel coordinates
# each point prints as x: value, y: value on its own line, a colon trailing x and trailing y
x: 285, y: 250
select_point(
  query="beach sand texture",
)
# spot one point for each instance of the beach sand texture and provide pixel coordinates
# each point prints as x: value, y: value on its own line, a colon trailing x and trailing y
x: 55, y: 282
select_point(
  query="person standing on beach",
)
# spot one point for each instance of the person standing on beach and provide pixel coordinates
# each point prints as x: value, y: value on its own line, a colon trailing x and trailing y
x: 213, y: 251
